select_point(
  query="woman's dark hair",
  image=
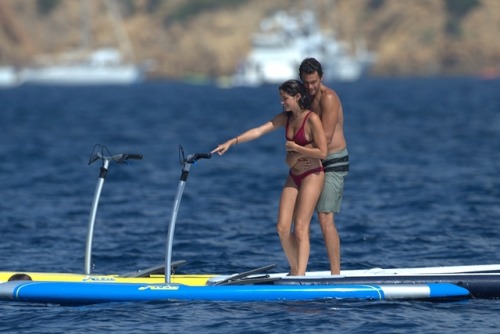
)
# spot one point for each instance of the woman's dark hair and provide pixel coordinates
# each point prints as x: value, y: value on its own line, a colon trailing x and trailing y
x: 309, y: 66
x: 294, y: 87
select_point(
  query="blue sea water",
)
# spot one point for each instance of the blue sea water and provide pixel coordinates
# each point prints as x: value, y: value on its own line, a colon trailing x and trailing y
x: 424, y: 190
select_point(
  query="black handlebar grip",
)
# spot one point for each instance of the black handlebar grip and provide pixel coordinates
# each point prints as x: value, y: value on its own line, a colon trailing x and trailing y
x: 198, y: 156
x: 203, y: 156
x: 133, y: 156
x: 121, y: 158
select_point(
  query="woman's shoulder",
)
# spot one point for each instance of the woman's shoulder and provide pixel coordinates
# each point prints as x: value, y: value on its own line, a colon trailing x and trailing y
x: 280, y: 118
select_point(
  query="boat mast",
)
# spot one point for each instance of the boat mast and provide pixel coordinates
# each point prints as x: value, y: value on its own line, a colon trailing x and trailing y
x: 120, y: 33
x: 85, y: 43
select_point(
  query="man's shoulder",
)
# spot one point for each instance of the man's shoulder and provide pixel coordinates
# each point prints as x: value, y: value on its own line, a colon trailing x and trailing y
x: 313, y: 115
x: 328, y: 94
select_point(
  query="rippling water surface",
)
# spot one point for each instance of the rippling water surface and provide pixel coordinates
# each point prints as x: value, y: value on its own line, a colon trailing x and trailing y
x: 423, y: 191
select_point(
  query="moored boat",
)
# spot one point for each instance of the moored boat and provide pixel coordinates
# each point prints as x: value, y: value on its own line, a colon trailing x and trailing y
x: 286, y: 38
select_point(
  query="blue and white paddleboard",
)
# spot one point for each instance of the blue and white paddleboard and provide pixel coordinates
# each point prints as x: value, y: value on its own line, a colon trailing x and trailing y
x: 75, y: 293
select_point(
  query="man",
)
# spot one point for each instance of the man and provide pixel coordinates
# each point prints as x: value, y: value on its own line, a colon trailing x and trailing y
x: 327, y: 105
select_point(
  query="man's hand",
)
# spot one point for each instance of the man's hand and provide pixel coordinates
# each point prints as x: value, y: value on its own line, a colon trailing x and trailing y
x: 302, y: 164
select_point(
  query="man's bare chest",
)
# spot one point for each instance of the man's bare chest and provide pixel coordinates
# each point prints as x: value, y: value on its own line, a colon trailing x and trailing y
x: 315, y: 107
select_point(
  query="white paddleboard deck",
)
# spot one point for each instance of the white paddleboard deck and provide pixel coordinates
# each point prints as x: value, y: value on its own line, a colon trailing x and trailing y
x: 439, y: 270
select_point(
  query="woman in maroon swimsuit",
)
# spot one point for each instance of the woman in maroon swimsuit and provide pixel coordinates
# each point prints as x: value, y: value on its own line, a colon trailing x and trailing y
x: 305, y: 139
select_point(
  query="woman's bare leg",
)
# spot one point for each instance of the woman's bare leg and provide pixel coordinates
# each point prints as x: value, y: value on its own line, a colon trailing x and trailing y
x: 284, y: 226
x: 306, y: 202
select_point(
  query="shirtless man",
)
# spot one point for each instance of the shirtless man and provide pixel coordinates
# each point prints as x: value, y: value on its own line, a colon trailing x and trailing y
x: 326, y: 103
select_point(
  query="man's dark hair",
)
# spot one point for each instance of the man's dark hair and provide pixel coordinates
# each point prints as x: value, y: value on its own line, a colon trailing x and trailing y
x: 309, y: 66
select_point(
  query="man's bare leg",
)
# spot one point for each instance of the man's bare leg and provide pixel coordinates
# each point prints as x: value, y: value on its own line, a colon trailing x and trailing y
x: 332, y: 240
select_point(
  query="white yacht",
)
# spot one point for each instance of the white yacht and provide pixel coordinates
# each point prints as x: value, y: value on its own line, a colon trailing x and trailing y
x: 88, y: 65
x: 8, y: 77
x: 101, y: 67
x: 285, y: 39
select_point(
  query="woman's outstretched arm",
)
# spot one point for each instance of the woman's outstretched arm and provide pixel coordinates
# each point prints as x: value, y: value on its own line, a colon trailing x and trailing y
x: 252, y: 134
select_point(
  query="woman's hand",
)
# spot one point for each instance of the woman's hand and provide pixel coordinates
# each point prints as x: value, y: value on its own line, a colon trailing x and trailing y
x: 291, y: 158
x: 302, y: 164
x: 291, y: 155
x: 290, y: 145
x: 222, y: 148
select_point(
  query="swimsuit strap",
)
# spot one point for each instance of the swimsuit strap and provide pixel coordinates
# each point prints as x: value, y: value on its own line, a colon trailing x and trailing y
x: 303, y: 125
x: 301, y: 129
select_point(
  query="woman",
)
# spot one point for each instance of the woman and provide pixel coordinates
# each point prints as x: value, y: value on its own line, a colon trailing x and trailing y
x: 305, y: 140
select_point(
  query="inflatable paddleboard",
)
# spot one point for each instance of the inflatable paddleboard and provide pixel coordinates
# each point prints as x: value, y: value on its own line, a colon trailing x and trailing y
x: 78, y: 293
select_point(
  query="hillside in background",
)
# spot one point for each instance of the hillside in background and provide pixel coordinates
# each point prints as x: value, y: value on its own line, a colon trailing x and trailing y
x: 210, y: 37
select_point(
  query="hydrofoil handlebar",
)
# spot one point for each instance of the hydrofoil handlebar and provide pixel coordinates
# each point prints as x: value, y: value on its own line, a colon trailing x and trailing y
x: 186, y: 162
x: 197, y: 156
x: 118, y: 158
x: 106, y: 159
x: 192, y: 158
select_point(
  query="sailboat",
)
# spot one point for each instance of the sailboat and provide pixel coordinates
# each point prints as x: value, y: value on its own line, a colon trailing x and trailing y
x: 90, y: 67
